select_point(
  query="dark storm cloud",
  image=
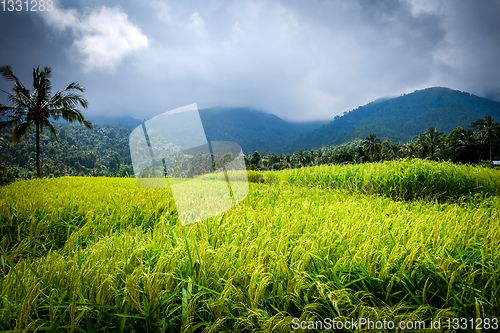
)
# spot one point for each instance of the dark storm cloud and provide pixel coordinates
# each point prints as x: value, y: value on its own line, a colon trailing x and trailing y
x: 27, y: 42
x: 299, y: 60
x: 473, y: 46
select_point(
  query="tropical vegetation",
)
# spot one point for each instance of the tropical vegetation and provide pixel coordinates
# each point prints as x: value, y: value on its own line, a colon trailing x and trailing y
x: 488, y: 131
x: 37, y: 106
x: 104, y: 151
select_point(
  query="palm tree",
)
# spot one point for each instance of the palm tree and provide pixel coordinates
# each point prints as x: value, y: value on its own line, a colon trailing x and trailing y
x: 37, y: 106
x: 390, y: 150
x: 409, y: 149
x: 299, y: 158
x: 372, y: 145
x: 487, y: 129
x: 467, y: 145
x: 285, y: 161
x: 431, y: 141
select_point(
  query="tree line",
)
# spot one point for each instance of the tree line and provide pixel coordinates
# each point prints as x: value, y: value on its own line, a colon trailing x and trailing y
x: 479, y: 144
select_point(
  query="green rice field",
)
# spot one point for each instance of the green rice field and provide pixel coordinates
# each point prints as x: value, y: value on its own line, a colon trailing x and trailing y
x: 397, y: 241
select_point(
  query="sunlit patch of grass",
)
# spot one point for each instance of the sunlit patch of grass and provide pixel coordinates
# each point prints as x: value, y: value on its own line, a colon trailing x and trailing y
x: 39, y: 215
x: 405, y: 179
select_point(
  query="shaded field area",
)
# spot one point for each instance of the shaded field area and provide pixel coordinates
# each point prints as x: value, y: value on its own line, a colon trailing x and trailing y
x: 104, y: 254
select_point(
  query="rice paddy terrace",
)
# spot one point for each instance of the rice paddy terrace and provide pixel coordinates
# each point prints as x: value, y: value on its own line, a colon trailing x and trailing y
x: 401, y: 240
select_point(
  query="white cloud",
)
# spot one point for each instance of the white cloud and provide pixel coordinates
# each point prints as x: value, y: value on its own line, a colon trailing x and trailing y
x: 103, y: 37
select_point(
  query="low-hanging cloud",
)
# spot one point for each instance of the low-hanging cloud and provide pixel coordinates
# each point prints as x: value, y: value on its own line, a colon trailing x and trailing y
x: 298, y: 60
x: 103, y: 37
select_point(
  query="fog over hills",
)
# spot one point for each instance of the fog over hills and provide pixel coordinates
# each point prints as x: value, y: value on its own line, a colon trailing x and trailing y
x: 253, y: 129
x: 397, y: 118
x: 403, y: 117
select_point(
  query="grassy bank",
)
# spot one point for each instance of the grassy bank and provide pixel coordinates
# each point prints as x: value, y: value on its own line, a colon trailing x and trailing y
x: 404, y: 179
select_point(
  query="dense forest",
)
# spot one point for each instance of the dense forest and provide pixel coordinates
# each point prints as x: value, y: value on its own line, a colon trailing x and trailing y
x: 398, y: 119
x: 104, y: 151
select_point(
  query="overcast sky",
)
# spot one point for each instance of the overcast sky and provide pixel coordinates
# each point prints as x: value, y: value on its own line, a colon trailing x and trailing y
x: 301, y: 60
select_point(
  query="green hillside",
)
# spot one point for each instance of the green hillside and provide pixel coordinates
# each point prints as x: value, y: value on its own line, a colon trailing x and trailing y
x: 404, y: 117
x: 104, y: 150
x: 253, y: 129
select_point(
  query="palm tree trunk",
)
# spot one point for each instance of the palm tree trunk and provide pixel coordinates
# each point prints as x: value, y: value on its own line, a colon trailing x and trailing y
x: 38, y: 149
x: 491, y: 157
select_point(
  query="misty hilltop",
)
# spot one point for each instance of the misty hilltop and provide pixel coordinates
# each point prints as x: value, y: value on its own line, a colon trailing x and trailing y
x: 253, y: 129
x: 399, y: 119
x: 403, y: 117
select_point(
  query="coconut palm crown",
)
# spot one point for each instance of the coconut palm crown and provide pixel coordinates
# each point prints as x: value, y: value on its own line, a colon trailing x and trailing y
x: 487, y: 129
x: 37, y: 106
x: 372, y: 145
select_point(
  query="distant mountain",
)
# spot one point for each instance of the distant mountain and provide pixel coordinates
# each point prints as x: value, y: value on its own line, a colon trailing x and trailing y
x: 253, y: 129
x: 250, y: 128
x: 307, y: 126
x: 396, y: 118
x: 125, y: 121
x: 403, y: 117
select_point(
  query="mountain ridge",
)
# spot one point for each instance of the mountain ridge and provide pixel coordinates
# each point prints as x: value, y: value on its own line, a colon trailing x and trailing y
x: 253, y: 129
x: 402, y: 118
x: 398, y: 118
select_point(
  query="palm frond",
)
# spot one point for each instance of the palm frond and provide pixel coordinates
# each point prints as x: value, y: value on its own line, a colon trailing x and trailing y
x: 73, y: 99
x: 21, y: 97
x: 5, y: 109
x: 75, y: 86
x: 41, y: 85
x: 7, y: 73
x: 88, y: 124
x: 22, y: 100
x: 47, y: 72
x: 18, y: 88
x: 60, y: 100
x: 68, y: 114
x: 478, y: 123
x: 20, y: 131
